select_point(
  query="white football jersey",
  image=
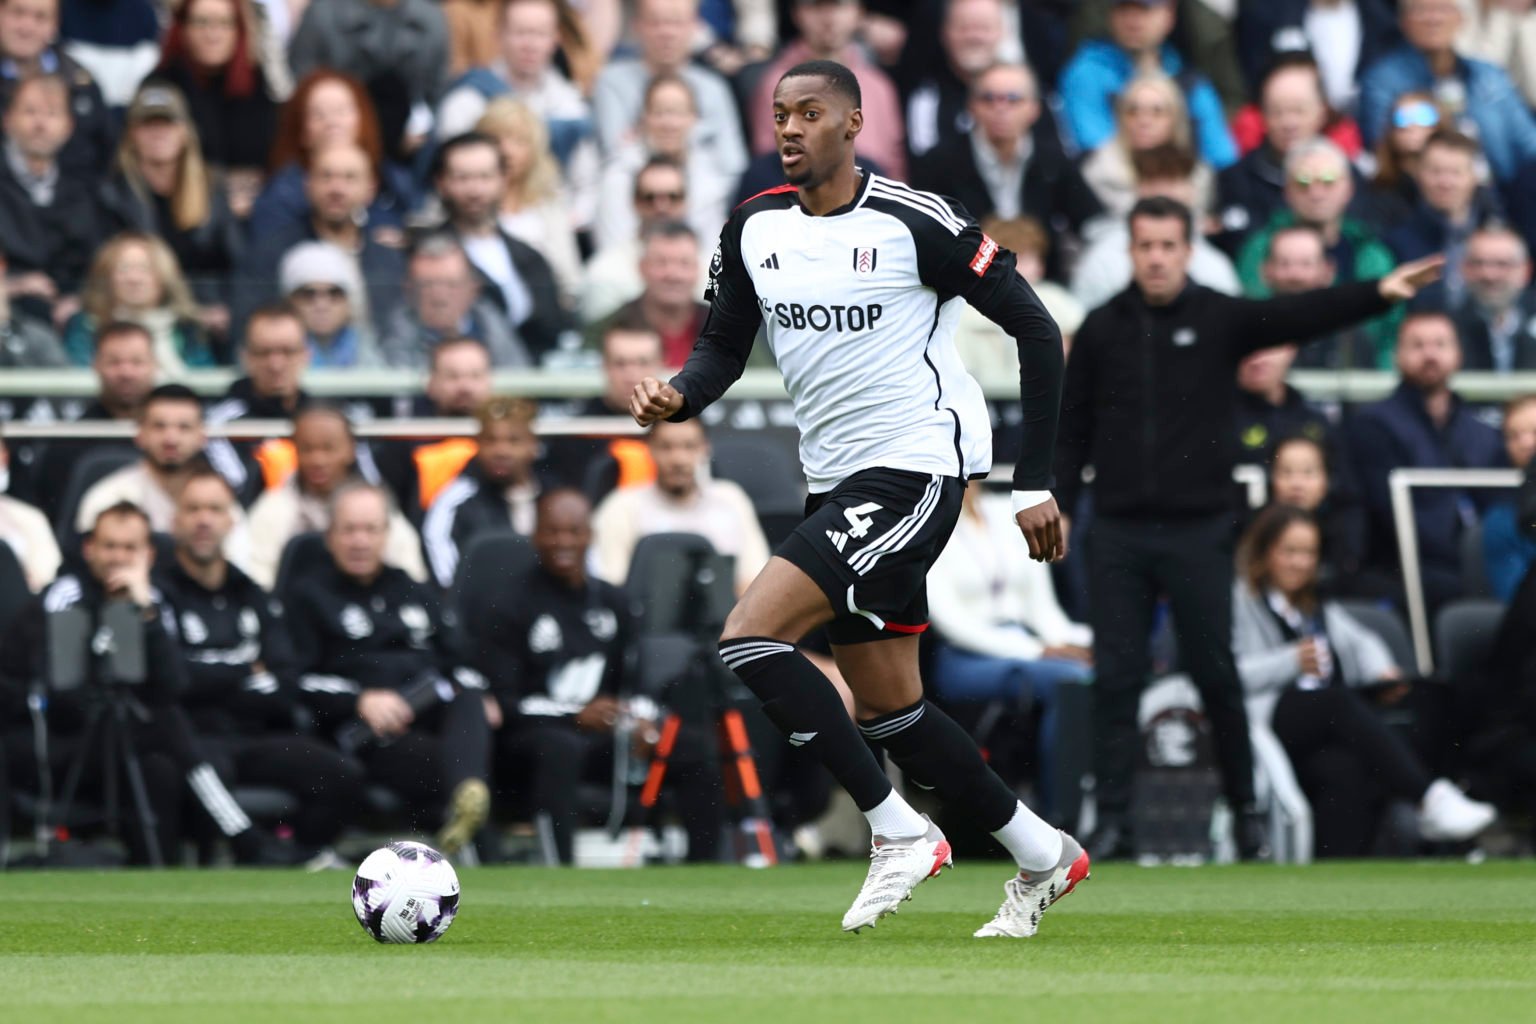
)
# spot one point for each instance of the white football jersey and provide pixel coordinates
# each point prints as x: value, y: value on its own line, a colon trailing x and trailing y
x: 859, y: 307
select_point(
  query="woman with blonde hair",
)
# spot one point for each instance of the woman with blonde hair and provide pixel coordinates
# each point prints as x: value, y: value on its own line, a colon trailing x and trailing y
x: 134, y: 277
x: 534, y: 209
x: 1149, y: 112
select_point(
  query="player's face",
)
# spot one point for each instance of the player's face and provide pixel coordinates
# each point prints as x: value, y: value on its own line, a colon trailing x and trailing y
x: 814, y: 129
x: 1291, y: 564
x: 204, y: 517
x: 171, y: 433
x: 1299, y: 476
x: 359, y: 530
x: 118, y: 542
x: 562, y: 535
x: 1159, y: 256
x: 507, y: 451
x: 679, y: 450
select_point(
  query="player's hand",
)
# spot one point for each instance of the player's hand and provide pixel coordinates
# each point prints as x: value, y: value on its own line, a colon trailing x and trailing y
x: 1307, y: 657
x: 385, y: 712
x: 653, y: 400
x: 131, y: 583
x: 1069, y: 652
x: 1407, y: 279
x: 1044, y: 530
x: 600, y: 715
x: 493, y: 716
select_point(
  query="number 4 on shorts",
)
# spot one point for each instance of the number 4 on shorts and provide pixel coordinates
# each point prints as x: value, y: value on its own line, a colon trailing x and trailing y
x: 859, y: 520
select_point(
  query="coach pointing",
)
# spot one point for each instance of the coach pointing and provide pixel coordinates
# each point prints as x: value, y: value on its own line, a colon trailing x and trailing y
x: 1148, y: 402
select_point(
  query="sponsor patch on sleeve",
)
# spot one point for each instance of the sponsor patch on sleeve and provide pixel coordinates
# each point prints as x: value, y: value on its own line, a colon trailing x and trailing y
x: 716, y: 264
x: 984, y: 256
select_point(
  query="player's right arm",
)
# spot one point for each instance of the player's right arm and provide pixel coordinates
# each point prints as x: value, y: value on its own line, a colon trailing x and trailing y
x: 720, y: 354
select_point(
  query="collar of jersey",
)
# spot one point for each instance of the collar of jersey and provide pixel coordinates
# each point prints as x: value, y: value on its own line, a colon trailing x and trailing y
x: 852, y: 204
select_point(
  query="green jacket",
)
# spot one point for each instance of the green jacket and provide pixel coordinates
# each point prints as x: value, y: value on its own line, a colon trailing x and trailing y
x: 1372, y: 259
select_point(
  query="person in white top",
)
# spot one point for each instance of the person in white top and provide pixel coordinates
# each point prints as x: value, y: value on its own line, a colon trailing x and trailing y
x: 25, y: 529
x: 1005, y: 636
x: 683, y: 499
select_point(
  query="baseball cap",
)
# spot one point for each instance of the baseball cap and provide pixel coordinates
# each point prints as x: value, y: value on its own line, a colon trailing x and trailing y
x: 157, y: 101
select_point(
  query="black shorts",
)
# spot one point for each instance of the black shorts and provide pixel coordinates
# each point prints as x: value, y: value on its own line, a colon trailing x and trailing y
x: 869, y: 543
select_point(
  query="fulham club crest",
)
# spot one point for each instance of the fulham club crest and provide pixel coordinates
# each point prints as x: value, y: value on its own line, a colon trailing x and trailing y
x: 864, y: 260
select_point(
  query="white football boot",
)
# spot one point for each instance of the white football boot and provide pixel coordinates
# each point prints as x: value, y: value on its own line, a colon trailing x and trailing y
x: 896, y: 867
x: 1448, y: 814
x: 1029, y: 896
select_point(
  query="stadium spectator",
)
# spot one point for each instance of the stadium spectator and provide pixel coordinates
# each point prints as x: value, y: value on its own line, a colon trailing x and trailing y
x: 275, y: 356
x: 1105, y: 267
x: 212, y: 56
x: 986, y: 349
x: 25, y: 341
x: 458, y: 384
x: 117, y: 42
x: 1149, y: 114
x: 116, y: 558
x: 377, y: 667
x: 557, y: 668
x: 29, y: 37
x: 321, y: 280
x: 1269, y: 410
x: 326, y: 453
x: 1204, y: 36
x: 444, y: 300
x: 25, y: 529
x: 1312, y: 673
x: 471, y: 178
x: 737, y: 33
x: 1163, y: 507
x: 1000, y: 171
x: 1451, y: 206
x: 1499, y: 701
x: 241, y: 690
x: 1497, y: 318
x: 134, y: 277
x: 534, y: 209
x: 50, y: 218
x: 631, y: 351
x: 825, y: 30
x: 664, y: 31
x: 526, y: 41
x: 171, y: 440
x: 669, y: 299
x: 328, y: 109
x: 1469, y: 92
x: 162, y: 185
x: 340, y: 187
x: 1004, y: 636
x: 1138, y: 42
x: 1292, y: 109
x: 1344, y: 37
x: 1423, y: 424
x: 496, y: 491
x: 612, y: 276
x: 971, y: 39
x: 1298, y: 262
x: 1301, y: 475
x: 1503, y: 33
x: 1508, y: 552
x: 458, y: 379
x: 397, y: 49
x: 1393, y: 192
x: 125, y: 369
x: 1318, y: 189
x: 667, y: 129
x: 683, y: 498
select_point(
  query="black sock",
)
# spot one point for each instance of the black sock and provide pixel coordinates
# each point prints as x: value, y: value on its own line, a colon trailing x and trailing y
x: 804, y: 705
x: 936, y: 754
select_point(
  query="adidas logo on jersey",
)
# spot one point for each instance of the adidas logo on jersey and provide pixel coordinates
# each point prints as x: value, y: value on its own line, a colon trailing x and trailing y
x: 771, y: 263
x: 839, y: 540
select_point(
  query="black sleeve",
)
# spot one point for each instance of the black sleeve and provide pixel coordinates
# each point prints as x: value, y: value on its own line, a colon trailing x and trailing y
x: 498, y: 654
x: 1076, y: 417
x: 720, y: 354
x: 329, y: 696
x: 162, y: 654
x: 973, y: 266
x: 1308, y: 316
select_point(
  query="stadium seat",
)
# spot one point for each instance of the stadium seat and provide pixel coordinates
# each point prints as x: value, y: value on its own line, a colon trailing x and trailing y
x: 302, y: 553
x: 1388, y: 625
x: 1464, y: 634
x: 88, y: 470
x: 480, y: 586
x: 770, y: 474
x: 1474, y: 567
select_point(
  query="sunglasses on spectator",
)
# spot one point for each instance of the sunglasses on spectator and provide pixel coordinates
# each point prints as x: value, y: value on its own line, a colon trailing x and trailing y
x: 1416, y: 115
x: 1326, y: 178
x: 311, y: 292
x: 656, y: 197
x: 990, y: 98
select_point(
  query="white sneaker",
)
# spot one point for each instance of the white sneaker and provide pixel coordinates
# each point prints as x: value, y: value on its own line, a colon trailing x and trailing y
x: 1447, y: 814
x: 326, y: 860
x: 1027, y: 896
x: 896, y: 867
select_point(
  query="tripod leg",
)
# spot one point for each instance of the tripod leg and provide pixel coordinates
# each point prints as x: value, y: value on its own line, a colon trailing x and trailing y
x: 745, y: 765
x: 144, y: 810
x: 77, y: 768
x: 658, y: 770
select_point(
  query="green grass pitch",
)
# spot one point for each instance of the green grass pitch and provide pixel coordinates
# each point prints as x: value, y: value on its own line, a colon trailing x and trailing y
x: 1354, y: 942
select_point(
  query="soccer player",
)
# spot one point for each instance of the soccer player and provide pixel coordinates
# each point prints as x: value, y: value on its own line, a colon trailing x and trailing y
x: 855, y: 277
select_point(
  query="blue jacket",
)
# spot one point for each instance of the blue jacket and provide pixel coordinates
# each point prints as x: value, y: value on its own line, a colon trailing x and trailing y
x: 1100, y: 70
x: 1397, y: 433
x: 1504, y: 123
x: 1507, y: 552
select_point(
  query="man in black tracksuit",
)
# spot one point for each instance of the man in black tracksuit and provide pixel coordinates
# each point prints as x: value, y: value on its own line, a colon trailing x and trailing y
x: 1149, y: 403
x: 241, y: 689
x: 377, y: 666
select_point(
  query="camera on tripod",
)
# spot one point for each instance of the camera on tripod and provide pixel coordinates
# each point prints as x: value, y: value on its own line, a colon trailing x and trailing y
x: 96, y: 651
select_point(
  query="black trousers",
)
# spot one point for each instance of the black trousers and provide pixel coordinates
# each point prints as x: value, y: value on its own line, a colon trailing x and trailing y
x: 329, y: 785
x: 445, y: 746
x: 1130, y: 564
x: 1348, y: 761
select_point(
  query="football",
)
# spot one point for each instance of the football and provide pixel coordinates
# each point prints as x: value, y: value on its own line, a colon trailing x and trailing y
x: 405, y: 893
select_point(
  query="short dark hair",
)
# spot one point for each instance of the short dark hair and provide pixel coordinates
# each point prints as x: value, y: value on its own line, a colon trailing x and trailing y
x: 1310, y: 230
x: 466, y: 140
x: 52, y: 80
x: 628, y: 321
x: 1163, y: 163
x: 280, y: 310
x: 1162, y: 208
x: 122, y: 329
x: 321, y: 407
x: 454, y: 341
x: 655, y: 162
x: 170, y: 393
x: 1289, y: 60
x: 1449, y: 138
x: 667, y: 229
x: 1260, y: 538
x: 843, y: 82
x: 202, y: 469
x: 121, y: 510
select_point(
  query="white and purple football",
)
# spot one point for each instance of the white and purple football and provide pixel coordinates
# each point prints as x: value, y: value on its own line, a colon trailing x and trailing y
x: 405, y: 893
